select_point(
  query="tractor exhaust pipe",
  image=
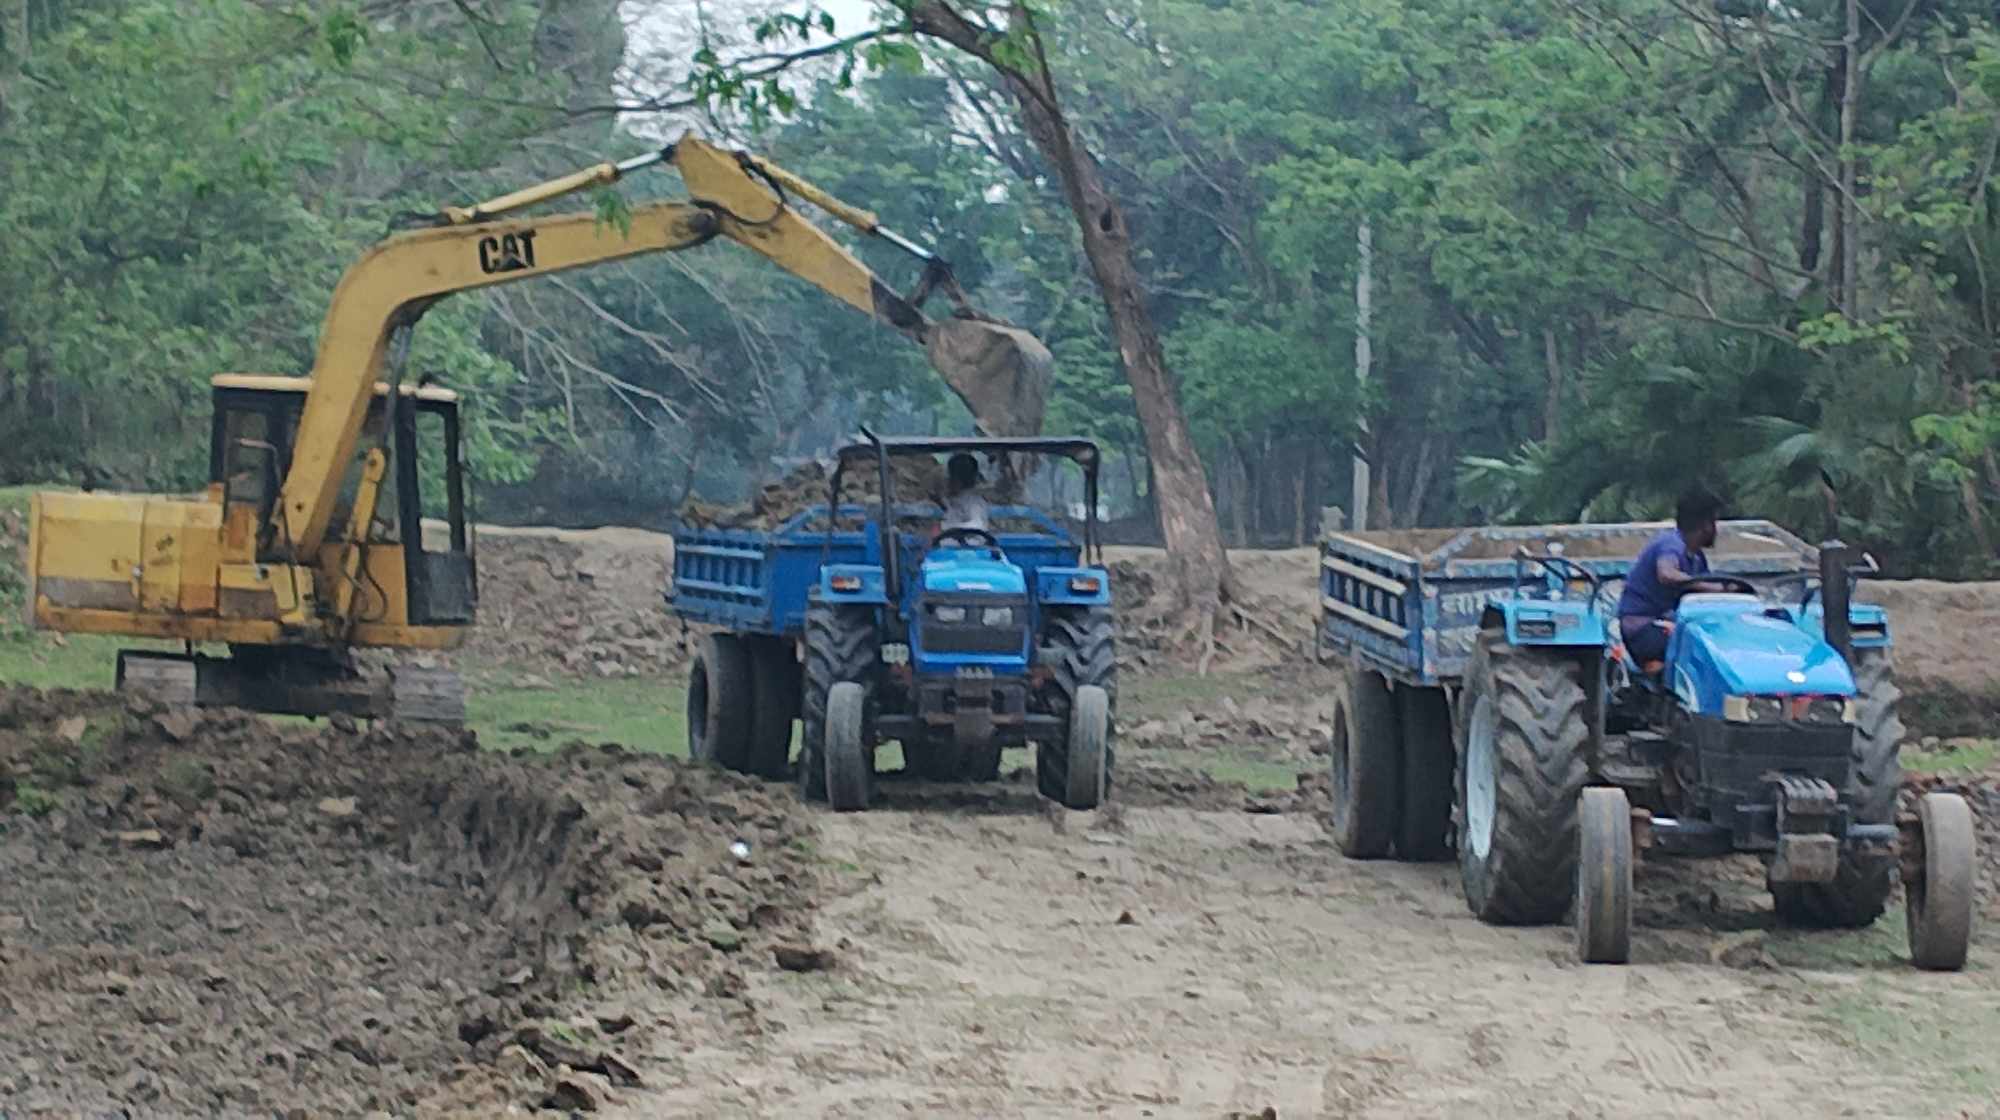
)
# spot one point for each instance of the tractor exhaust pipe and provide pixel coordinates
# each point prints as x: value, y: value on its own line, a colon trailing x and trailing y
x: 1835, y: 590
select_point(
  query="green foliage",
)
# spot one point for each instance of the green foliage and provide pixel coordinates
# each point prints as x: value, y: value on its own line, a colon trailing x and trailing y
x: 1605, y: 239
x: 35, y: 801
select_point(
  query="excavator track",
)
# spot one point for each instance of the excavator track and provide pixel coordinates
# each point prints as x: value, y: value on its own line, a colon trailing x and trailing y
x: 418, y: 695
x: 299, y: 686
x: 166, y: 677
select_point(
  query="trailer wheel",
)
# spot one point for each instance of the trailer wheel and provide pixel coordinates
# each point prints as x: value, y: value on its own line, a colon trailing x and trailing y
x: 1081, y: 648
x: 841, y: 647
x: 1938, y: 901
x: 721, y: 699
x: 849, y: 765
x: 1364, y: 767
x: 777, y: 672
x: 1604, y: 877
x: 1522, y: 735
x: 1423, y: 829
x: 1860, y: 889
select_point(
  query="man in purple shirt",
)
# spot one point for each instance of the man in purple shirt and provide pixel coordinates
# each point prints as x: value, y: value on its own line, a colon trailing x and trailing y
x: 1670, y: 566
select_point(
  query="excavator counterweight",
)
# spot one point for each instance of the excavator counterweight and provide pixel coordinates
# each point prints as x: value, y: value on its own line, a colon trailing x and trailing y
x: 319, y: 536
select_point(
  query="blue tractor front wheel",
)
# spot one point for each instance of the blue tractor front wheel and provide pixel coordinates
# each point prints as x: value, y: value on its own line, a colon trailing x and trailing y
x: 850, y: 769
x: 842, y: 647
x: 1080, y: 646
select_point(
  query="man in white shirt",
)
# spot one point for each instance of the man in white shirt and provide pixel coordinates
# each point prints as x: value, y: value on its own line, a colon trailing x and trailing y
x: 964, y: 507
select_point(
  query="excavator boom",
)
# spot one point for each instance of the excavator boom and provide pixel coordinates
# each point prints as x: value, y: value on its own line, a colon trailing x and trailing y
x: 1001, y: 372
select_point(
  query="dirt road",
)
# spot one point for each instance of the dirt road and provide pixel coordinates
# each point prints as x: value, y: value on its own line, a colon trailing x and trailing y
x: 1168, y: 962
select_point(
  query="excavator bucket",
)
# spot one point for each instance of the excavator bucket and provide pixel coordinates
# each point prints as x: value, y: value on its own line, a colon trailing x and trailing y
x: 1002, y: 373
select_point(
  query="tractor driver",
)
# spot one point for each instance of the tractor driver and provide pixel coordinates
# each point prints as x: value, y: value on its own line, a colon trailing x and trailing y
x: 964, y: 507
x: 1669, y: 567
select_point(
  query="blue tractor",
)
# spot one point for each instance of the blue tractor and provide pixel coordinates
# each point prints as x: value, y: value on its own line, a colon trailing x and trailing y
x: 871, y: 625
x: 1489, y: 706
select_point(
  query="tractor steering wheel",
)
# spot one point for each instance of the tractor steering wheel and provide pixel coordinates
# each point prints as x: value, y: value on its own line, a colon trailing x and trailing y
x: 966, y: 537
x: 1729, y: 583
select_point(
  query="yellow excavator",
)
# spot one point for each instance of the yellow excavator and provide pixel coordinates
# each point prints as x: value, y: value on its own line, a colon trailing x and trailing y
x: 309, y: 543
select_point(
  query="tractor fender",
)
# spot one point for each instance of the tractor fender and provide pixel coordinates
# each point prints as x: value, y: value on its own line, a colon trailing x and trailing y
x: 853, y: 583
x: 1073, y: 587
x: 1546, y: 622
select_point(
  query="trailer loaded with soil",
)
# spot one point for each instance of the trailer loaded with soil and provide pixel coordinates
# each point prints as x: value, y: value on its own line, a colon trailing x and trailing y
x: 1488, y: 707
x: 871, y: 624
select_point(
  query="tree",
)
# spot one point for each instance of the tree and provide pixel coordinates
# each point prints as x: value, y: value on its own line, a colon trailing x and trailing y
x: 1010, y: 42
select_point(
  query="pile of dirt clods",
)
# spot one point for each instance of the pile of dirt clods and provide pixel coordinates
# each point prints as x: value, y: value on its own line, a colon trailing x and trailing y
x: 212, y: 913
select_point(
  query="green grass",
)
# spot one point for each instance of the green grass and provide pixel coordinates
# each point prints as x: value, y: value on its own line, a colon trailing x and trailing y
x: 1144, y: 697
x: 1880, y: 945
x: 1954, y: 758
x: 42, y: 660
x: 1948, y: 1038
x: 1258, y: 773
x: 644, y: 713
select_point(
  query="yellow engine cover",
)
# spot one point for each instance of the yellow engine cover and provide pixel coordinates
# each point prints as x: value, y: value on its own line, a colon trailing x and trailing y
x: 165, y: 567
x: 124, y: 552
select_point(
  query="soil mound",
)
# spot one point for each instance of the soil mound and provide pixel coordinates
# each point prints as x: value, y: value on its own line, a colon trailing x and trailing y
x: 1267, y: 624
x: 208, y: 912
x: 584, y: 603
x: 1942, y: 635
x: 916, y: 478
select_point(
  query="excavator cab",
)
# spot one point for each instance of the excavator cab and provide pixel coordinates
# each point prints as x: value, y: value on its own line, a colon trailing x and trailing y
x: 416, y: 560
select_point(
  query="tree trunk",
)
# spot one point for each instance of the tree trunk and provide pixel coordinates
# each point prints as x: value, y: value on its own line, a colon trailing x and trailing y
x: 1299, y: 497
x: 1363, y: 358
x: 1258, y: 471
x: 1196, y: 559
x: 1847, y: 232
x: 1237, y: 489
x: 1552, y: 400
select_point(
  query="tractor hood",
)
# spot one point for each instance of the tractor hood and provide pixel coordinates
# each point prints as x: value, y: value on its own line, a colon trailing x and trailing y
x: 1729, y: 646
x: 972, y: 570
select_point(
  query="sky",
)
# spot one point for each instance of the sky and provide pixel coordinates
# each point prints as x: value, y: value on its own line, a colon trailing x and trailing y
x: 662, y: 34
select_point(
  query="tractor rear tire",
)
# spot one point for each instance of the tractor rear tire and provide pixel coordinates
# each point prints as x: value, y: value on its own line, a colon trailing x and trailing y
x: 1522, y: 741
x: 1080, y: 648
x: 769, y: 751
x: 721, y: 702
x: 1365, y: 773
x: 842, y: 646
x: 1604, y: 877
x: 1859, y: 892
x: 850, y: 766
x: 1939, y: 903
x: 1423, y: 829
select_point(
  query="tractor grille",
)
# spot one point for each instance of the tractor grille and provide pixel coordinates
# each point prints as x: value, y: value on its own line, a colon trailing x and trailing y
x: 1738, y: 760
x: 975, y: 624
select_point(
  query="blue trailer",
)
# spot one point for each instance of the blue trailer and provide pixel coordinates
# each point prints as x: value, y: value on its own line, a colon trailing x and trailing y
x: 873, y: 624
x: 1488, y: 708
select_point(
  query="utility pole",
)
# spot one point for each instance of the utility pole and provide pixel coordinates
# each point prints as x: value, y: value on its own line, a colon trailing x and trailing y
x: 1363, y: 278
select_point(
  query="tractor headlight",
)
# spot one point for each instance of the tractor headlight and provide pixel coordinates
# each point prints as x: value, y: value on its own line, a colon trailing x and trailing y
x: 1753, y: 709
x: 1828, y: 709
x: 948, y: 614
x: 997, y: 616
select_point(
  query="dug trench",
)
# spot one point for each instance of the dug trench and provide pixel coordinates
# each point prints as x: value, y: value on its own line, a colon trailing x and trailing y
x: 217, y: 914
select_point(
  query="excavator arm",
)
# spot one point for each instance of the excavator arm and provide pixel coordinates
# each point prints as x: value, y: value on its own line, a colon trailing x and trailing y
x: 1002, y: 373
